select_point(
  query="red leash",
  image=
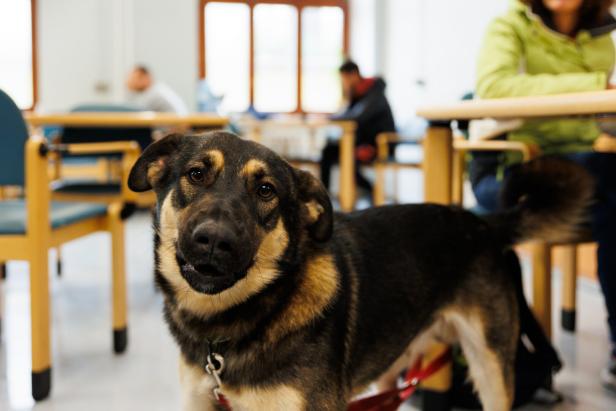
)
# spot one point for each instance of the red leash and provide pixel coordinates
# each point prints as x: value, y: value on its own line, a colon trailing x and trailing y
x: 392, y: 399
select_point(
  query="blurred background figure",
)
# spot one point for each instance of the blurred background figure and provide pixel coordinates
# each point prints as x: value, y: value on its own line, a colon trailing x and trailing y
x: 151, y: 95
x: 367, y: 105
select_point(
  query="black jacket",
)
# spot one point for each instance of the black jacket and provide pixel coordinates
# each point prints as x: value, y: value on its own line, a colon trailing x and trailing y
x: 371, y: 112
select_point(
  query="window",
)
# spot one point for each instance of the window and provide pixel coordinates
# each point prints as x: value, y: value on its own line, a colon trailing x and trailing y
x: 274, y: 55
x: 322, y: 34
x: 17, y: 76
x: 228, y: 72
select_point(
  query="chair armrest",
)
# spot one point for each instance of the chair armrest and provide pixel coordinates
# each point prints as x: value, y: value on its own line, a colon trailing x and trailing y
x: 129, y: 150
x: 464, y: 146
x: 97, y: 148
x: 382, y: 144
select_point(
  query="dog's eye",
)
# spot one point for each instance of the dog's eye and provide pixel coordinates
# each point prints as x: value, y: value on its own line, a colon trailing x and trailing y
x: 196, y: 175
x: 266, y: 191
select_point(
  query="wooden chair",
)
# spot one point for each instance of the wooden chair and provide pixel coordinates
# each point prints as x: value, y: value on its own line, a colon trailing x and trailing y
x: 29, y: 227
x: 125, y: 143
x: 438, y: 166
x: 254, y: 129
x: 386, y: 162
x: 541, y: 251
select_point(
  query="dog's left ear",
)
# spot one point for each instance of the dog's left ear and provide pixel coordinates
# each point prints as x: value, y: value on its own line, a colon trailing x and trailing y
x: 316, y: 206
x: 152, y: 165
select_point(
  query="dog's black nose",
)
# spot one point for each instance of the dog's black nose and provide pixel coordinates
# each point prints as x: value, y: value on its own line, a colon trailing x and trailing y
x: 214, y: 238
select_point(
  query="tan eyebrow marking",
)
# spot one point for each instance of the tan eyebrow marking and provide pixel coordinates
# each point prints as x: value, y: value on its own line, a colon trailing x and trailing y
x: 253, y: 167
x: 217, y: 159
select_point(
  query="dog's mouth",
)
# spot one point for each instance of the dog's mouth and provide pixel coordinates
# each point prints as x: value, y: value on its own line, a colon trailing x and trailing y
x: 208, y: 278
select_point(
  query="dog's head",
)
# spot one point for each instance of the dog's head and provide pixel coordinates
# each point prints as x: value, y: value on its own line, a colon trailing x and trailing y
x: 229, y: 211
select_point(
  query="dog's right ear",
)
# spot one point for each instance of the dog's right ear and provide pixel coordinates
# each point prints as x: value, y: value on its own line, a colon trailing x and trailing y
x: 152, y: 165
x: 316, y: 206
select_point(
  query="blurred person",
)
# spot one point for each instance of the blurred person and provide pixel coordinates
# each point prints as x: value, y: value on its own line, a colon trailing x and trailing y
x: 369, y: 108
x: 151, y: 95
x: 543, y: 47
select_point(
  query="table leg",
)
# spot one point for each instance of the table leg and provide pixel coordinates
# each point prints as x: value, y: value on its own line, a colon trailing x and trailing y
x: 437, y: 167
x: 437, y: 164
x: 347, y: 171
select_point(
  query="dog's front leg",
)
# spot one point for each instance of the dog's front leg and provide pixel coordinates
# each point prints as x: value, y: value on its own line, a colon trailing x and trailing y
x: 196, y: 388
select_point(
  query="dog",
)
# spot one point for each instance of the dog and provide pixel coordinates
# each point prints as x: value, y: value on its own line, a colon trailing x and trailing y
x: 306, y: 307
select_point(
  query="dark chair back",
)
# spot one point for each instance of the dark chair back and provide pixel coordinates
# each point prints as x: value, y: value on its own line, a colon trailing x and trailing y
x: 13, y: 136
x: 70, y: 135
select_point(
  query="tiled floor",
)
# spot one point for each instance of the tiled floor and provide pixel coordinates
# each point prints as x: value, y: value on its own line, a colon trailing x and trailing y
x: 87, y: 376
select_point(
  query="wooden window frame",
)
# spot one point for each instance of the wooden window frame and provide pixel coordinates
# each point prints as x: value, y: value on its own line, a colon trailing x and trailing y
x: 299, y: 5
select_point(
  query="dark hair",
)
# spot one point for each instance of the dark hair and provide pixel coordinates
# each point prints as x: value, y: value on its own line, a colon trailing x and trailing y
x: 593, y: 13
x: 349, y: 67
x: 142, y: 69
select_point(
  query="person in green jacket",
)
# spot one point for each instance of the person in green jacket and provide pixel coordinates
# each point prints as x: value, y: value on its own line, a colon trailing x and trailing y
x: 543, y: 47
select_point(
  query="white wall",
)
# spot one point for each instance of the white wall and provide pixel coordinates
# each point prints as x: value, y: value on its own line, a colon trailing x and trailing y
x: 363, y: 35
x: 87, y: 46
x: 166, y: 40
x: 72, y: 47
x: 430, y: 49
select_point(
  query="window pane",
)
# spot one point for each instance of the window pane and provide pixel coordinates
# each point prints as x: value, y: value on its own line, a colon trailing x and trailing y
x: 275, y: 31
x: 16, y: 51
x: 322, y: 52
x: 227, y: 48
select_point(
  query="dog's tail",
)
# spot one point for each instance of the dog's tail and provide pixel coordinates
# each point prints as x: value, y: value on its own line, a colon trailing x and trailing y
x: 545, y: 199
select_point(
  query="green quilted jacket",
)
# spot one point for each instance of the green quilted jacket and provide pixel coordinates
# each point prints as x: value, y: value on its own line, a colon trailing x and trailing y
x: 522, y: 56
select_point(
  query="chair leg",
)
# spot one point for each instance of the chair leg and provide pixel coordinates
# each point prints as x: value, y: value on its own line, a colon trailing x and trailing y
x: 542, y: 285
x: 40, y: 324
x: 59, y: 261
x: 436, y: 389
x: 457, y: 194
x: 379, y: 186
x: 1, y: 307
x: 3, y: 270
x: 569, y: 288
x: 396, y: 179
x: 120, y: 331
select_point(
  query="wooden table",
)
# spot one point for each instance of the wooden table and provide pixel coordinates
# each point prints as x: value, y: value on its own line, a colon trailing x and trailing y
x: 347, y: 195
x: 208, y: 121
x: 438, y: 155
x: 136, y: 119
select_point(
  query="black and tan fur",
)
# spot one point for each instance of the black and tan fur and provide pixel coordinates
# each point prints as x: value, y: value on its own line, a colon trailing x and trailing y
x: 308, y: 307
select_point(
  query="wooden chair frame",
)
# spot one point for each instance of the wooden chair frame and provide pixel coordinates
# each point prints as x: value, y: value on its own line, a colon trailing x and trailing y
x: 33, y: 246
x: 541, y: 252
x: 129, y: 151
x: 382, y: 165
x: 348, y: 194
x: 438, y: 164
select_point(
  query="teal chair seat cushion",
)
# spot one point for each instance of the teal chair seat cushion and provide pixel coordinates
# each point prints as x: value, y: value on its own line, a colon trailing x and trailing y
x: 86, y: 187
x: 63, y: 213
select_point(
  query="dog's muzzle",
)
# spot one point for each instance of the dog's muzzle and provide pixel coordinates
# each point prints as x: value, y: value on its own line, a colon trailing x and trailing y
x: 210, y: 257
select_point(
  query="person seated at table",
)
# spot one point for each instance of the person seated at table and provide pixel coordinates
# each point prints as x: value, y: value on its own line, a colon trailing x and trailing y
x: 151, y: 95
x: 369, y: 108
x: 545, y: 47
